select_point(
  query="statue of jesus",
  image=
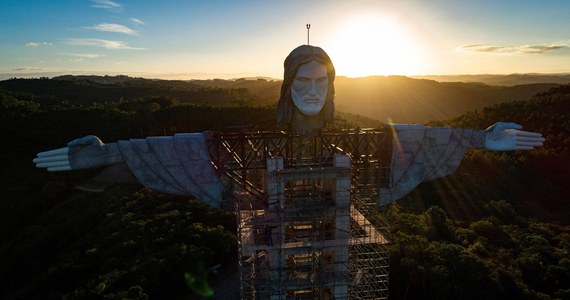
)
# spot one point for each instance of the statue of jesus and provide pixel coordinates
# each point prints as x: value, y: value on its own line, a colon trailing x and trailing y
x: 181, y: 164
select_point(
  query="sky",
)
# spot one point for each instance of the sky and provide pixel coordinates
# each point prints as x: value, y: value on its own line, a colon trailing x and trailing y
x: 231, y: 39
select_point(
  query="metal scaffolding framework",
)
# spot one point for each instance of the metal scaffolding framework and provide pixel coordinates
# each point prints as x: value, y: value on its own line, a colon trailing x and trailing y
x: 308, y: 221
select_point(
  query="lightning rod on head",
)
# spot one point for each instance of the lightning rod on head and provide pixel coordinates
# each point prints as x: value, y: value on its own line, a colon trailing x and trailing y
x: 308, y: 28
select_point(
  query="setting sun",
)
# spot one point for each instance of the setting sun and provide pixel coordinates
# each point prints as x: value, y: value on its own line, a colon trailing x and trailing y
x: 373, y: 45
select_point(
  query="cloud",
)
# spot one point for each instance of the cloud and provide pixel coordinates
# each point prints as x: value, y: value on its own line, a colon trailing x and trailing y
x: 109, y: 27
x: 114, y: 45
x: 37, y: 44
x: 27, y: 69
x: 107, y: 4
x: 84, y: 55
x: 537, y: 49
x: 137, y: 21
x: 525, y: 49
x: 483, y: 48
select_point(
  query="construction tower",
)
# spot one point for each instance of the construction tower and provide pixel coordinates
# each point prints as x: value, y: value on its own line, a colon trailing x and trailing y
x: 308, y: 221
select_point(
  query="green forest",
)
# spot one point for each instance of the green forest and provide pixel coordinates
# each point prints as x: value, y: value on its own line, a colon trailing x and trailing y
x: 499, y: 228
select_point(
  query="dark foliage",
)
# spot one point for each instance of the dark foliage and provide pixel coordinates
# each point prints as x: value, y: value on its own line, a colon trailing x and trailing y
x: 400, y: 99
x: 127, y: 242
x: 496, y: 229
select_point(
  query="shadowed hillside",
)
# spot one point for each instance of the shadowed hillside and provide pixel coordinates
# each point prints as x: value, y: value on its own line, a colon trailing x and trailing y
x: 86, y: 90
x: 404, y: 100
x: 496, y: 229
x: 505, y: 80
x: 388, y: 99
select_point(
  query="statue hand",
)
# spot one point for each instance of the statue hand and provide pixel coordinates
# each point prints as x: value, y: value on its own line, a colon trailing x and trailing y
x: 503, y: 136
x: 82, y: 153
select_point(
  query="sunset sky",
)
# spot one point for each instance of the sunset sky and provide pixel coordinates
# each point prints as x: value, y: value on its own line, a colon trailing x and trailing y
x: 230, y: 39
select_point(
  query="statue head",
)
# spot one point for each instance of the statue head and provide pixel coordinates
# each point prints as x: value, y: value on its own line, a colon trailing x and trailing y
x: 308, y: 87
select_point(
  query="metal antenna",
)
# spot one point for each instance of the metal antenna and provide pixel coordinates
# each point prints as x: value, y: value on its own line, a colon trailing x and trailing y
x: 308, y: 28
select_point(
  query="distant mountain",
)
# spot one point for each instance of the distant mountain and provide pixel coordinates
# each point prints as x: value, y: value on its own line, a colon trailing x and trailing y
x: 266, y: 90
x: 401, y: 99
x: 507, y: 80
x: 98, y: 79
x: 86, y: 90
x: 398, y: 99
x: 395, y: 99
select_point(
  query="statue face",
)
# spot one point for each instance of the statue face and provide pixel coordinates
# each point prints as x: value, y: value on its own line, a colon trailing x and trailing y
x: 309, y: 88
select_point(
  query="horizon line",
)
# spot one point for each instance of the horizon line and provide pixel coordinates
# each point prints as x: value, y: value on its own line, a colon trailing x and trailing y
x: 233, y: 76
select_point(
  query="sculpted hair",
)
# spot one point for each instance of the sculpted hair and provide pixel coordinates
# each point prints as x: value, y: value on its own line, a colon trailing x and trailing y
x: 299, y: 56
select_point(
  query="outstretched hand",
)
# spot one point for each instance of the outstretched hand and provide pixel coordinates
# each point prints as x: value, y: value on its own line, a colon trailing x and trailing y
x: 81, y: 153
x: 503, y: 136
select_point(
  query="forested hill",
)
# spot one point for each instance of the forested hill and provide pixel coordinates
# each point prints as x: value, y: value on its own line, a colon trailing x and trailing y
x: 405, y: 100
x: 505, y: 80
x: 85, y: 90
x: 496, y: 229
x: 539, y: 180
x: 386, y: 98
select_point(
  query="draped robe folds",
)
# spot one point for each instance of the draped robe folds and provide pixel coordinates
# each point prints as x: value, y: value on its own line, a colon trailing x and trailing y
x: 181, y: 164
x: 421, y: 153
x: 178, y: 165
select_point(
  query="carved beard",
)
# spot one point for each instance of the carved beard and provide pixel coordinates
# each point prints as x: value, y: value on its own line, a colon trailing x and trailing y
x: 309, y: 105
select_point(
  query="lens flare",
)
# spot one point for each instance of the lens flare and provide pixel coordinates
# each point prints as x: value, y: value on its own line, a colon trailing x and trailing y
x: 198, y: 285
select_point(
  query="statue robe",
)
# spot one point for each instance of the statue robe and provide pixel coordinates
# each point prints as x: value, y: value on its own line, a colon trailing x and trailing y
x: 178, y: 165
x: 421, y: 153
x: 181, y: 164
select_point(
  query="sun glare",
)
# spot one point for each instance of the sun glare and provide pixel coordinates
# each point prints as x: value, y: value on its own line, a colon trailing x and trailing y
x: 369, y: 45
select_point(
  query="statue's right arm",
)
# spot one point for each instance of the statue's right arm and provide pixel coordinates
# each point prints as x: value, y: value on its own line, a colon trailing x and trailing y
x: 82, y: 153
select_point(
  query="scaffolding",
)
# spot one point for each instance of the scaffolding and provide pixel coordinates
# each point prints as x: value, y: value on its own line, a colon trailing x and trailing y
x: 309, y: 225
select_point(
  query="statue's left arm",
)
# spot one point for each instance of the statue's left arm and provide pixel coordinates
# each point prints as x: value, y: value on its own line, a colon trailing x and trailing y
x: 425, y: 153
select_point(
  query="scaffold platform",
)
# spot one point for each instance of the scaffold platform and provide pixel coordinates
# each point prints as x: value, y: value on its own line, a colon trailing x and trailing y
x: 309, y: 225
